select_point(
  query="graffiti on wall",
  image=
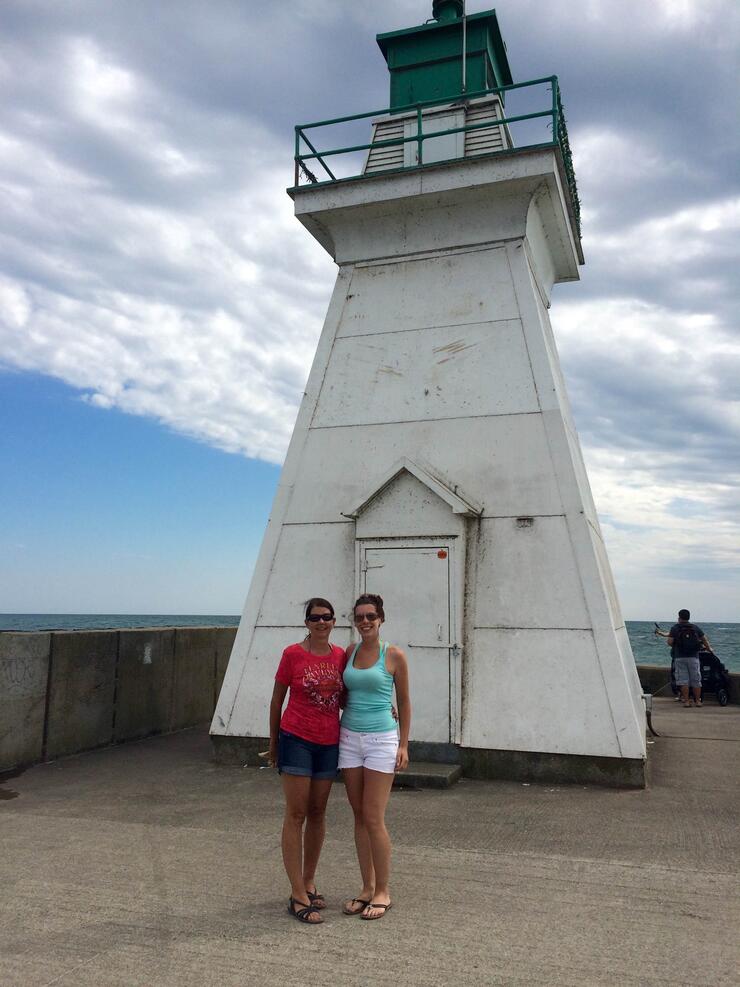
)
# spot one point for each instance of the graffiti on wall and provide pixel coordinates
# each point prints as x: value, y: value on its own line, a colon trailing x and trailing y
x: 23, y: 677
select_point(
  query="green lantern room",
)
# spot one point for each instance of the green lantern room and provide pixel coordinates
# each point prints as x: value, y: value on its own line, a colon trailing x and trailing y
x: 449, y: 82
x: 426, y: 62
x: 453, y: 61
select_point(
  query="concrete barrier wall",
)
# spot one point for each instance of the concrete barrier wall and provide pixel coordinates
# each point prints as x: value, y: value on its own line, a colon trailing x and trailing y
x: 82, y: 686
x: 70, y: 691
x: 655, y: 679
x: 65, y: 692
x: 145, y: 683
x: 24, y: 674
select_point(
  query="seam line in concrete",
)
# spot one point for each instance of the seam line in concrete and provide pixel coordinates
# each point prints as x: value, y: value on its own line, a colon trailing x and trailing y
x: 47, y: 700
x: 421, y: 421
x: 115, y: 687
x: 299, y: 523
x: 481, y: 517
x: 174, y: 683
x: 508, y: 627
x: 426, y: 328
x: 381, y: 260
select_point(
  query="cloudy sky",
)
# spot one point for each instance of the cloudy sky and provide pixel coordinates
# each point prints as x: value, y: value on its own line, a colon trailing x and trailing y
x: 159, y: 306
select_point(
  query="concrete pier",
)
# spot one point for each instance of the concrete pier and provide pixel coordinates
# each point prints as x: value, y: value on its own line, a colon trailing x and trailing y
x: 64, y: 692
x: 148, y: 864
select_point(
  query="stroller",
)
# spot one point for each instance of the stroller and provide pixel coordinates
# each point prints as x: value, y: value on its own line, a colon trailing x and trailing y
x: 714, y: 677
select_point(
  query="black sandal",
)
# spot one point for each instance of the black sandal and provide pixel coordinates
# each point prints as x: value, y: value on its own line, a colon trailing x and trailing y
x: 317, y: 899
x: 303, y: 914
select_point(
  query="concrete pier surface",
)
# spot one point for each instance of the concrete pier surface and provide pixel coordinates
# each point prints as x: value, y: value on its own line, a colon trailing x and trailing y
x: 148, y: 864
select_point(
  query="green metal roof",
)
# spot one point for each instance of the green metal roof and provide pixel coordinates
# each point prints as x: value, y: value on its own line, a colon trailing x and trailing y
x: 425, y: 62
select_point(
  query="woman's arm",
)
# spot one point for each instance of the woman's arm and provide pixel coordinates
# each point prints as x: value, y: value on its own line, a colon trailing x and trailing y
x: 343, y: 695
x: 276, y: 707
x: 399, y: 669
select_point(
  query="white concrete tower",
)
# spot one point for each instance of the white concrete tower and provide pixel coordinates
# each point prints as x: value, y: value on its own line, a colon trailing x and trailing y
x: 434, y: 459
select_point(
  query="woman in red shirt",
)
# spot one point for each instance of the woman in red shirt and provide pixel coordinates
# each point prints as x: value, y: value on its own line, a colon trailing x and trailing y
x: 304, y: 743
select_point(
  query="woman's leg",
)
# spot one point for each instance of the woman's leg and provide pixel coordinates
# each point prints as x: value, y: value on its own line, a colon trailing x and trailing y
x: 313, y: 838
x: 376, y: 792
x: 297, y: 790
x: 354, y: 784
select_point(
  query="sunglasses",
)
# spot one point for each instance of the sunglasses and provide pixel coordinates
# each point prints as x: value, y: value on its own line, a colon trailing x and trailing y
x: 366, y: 616
x: 314, y: 618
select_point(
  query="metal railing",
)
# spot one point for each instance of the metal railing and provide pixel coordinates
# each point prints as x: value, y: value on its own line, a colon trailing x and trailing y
x: 306, y: 151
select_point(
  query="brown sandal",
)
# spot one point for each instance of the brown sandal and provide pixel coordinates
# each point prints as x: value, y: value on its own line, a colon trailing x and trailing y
x: 362, y: 902
x: 372, y: 904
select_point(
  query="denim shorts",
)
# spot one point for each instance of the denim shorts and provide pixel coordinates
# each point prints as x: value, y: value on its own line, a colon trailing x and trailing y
x: 297, y: 756
x: 687, y: 671
x: 376, y: 751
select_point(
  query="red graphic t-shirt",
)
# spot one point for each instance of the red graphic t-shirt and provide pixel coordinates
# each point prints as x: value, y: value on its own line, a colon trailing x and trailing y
x: 315, y: 683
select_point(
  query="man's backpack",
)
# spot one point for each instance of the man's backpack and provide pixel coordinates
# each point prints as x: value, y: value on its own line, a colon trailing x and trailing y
x: 687, y: 641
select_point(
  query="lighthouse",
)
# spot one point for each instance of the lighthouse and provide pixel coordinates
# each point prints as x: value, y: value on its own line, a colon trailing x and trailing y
x: 434, y: 459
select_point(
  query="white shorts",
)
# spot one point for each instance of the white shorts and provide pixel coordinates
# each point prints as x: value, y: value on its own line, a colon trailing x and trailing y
x: 376, y: 751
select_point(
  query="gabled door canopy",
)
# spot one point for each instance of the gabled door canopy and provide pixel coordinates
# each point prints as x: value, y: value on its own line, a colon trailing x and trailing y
x: 459, y: 504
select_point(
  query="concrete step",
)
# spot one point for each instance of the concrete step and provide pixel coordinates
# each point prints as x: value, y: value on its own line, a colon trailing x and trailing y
x: 424, y: 774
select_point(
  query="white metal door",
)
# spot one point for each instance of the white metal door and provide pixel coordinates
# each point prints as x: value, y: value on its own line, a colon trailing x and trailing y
x: 435, y: 148
x: 415, y: 585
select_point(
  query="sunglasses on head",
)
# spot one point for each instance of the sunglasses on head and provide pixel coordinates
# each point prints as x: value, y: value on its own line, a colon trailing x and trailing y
x: 365, y: 616
x: 314, y: 618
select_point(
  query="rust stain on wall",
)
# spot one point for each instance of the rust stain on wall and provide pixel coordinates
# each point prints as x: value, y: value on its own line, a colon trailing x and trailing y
x: 452, y: 349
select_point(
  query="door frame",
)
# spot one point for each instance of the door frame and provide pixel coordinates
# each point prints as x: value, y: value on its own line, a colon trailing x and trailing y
x: 455, y: 547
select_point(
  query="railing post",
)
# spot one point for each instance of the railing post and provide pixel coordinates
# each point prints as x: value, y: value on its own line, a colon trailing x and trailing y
x: 295, y: 156
x: 555, y: 110
x: 419, y: 137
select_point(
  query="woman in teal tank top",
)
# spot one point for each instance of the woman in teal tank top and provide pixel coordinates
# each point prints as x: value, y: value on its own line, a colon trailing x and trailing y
x: 371, y: 748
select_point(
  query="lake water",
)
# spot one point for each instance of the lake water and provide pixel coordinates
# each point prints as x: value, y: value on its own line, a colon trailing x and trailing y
x: 647, y: 649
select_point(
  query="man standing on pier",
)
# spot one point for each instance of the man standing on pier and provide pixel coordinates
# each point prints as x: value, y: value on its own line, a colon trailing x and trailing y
x: 686, y: 640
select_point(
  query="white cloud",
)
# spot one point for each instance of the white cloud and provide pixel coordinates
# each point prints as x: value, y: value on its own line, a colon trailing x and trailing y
x: 676, y: 16
x: 230, y: 375
x: 204, y: 320
x: 151, y: 259
x: 15, y: 307
x: 151, y: 256
x: 102, y: 92
x: 686, y: 15
x: 606, y: 159
x: 683, y: 237
x: 660, y: 429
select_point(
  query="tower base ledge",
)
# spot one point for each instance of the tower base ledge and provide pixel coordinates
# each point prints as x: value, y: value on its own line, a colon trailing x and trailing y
x: 392, y: 213
x: 501, y: 765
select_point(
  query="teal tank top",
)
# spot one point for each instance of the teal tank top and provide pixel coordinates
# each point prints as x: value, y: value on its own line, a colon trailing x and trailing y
x: 369, y: 690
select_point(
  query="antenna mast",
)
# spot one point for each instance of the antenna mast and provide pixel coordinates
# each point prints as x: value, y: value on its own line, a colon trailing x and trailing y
x: 464, y: 48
